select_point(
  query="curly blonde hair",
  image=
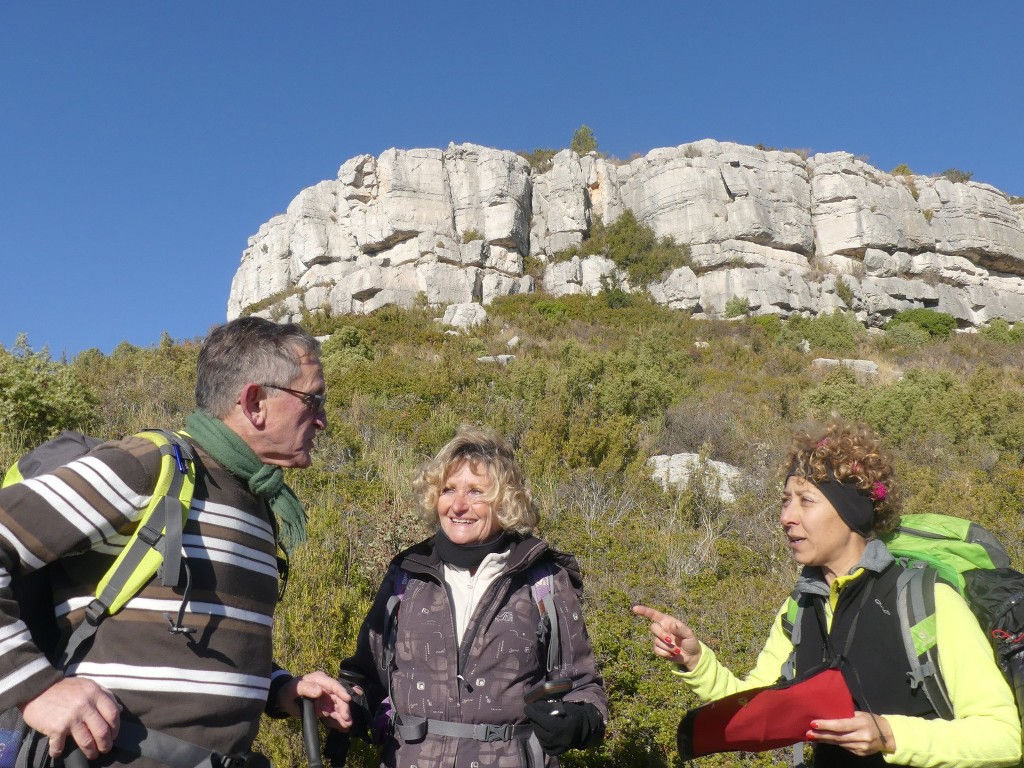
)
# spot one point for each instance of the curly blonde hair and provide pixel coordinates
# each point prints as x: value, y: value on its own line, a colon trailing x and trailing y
x: 487, y: 453
x: 853, y: 454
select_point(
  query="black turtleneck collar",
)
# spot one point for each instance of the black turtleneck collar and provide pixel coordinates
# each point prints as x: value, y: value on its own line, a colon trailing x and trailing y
x: 468, y: 555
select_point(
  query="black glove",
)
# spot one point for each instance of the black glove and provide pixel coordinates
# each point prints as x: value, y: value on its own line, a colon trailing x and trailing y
x: 336, y: 748
x: 580, y: 726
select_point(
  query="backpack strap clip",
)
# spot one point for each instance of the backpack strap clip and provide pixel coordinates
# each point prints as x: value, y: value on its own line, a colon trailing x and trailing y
x: 919, y: 675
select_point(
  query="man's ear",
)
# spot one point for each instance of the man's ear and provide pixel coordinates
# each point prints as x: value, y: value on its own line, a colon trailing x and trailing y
x: 252, y: 401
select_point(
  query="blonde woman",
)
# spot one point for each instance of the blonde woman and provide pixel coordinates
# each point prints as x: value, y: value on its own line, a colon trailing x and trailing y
x: 455, y: 643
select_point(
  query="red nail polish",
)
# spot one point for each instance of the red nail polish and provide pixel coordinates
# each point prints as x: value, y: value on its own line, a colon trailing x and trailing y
x: 676, y: 651
x: 814, y: 724
x: 810, y: 736
x: 669, y: 640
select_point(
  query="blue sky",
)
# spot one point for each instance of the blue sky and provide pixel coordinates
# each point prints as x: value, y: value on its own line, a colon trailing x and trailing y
x: 142, y: 143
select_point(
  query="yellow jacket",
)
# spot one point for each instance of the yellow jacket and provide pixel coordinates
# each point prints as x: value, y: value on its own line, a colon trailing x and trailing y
x: 986, y: 732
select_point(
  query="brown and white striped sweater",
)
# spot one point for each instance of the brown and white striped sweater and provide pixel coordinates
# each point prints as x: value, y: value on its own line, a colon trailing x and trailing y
x: 209, y: 687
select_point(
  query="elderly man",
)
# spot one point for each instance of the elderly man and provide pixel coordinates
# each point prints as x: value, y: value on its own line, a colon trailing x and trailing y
x: 260, y: 403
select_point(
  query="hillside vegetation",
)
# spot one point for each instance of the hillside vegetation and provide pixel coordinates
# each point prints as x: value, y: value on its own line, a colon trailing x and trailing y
x: 598, y: 385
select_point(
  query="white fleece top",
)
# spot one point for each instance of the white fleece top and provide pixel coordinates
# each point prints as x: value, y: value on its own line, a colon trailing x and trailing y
x: 466, y: 589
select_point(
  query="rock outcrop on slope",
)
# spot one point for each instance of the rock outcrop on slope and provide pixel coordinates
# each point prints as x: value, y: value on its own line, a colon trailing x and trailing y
x: 784, y: 233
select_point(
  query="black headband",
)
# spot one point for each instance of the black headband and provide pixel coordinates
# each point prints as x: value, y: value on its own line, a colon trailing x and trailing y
x: 854, y: 506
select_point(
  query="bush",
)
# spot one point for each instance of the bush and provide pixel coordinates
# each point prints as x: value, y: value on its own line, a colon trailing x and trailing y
x: 737, y: 306
x: 844, y: 292
x: 613, y: 295
x: 956, y: 175
x: 769, y: 325
x: 469, y: 235
x: 902, y: 170
x: 540, y: 160
x: 905, y: 335
x: 936, y: 324
x: 633, y: 247
x: 40, y: 397
x: 999, y: 330
x: 838, y: 332
x: 583, y: 141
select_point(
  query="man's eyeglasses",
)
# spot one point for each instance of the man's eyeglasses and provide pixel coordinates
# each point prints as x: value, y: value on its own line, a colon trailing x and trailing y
x: 314, y: 402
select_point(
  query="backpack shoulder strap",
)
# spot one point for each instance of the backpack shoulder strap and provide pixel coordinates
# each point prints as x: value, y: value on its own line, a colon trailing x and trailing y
x: 542, y: 588
x: 915, y: 605
x: 791, y: 620
x: 157, y: 540
x: 401, y: 581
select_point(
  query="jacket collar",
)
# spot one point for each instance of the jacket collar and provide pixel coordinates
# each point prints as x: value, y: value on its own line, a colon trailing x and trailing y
x: 423, y: 557
x: 876, y: 558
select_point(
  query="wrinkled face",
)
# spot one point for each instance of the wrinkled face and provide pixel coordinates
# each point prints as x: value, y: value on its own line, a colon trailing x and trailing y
x: 466, y: 517
x: 816, y: 533
x: 292, y: 425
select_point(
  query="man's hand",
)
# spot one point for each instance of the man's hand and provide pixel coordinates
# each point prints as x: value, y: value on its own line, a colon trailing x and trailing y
x: 332, y: 699
x: 79, y: 708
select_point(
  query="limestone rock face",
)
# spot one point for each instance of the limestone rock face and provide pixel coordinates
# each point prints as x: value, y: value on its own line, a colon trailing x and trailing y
x: 453, y: 225
x: 786, y: 232
x: 679, y: 468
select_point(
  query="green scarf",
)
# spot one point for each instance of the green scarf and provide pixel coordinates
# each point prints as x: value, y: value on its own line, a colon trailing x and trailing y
x: 264, y: 480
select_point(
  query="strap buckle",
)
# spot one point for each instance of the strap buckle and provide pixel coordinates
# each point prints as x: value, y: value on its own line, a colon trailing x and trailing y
x: 496, y: 732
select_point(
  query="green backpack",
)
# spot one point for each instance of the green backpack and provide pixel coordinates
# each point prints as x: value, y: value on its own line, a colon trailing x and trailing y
x: 969, y: 558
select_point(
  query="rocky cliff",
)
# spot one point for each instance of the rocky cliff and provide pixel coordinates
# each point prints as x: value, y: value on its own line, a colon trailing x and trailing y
x: 773, y: 228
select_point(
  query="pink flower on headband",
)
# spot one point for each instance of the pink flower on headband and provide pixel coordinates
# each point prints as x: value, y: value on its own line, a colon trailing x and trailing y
x: 879, y: 491
x: 855, y: 468
x: 821, y: 443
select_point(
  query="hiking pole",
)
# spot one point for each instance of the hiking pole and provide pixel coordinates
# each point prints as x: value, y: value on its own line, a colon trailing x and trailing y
x: 311, y: 733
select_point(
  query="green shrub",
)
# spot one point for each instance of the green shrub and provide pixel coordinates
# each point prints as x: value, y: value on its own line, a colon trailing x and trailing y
x: 937, y: 324
x: 470, y: 235
x: 583, y: 141
x: 534, y: 267
x: 769, y: 325
x: 999, y: 330
x: 839, y: 392
x: 613, y: 295
x: 737, y: 306
x: 902, y: 170
x: 633, y: 247
x: 956, y: 175
x: 39, y: 397
x: 270, y: 301
x: 907, y: 335
x: 540, y: 160
x: 844, y: 292
x: 838, y: 332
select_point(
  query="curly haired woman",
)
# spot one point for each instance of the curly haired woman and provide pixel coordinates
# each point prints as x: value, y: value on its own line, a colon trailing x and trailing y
x: 839, y: 495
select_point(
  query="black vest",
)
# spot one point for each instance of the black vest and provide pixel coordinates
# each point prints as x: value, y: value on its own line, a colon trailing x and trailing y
x: 874, y: 663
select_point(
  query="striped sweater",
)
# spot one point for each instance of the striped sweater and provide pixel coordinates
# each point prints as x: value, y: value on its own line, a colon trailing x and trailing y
x: 209, y: 687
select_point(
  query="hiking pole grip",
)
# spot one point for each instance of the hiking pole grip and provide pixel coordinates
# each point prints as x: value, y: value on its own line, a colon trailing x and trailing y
x: 311, y: 733
x: 75, y: 758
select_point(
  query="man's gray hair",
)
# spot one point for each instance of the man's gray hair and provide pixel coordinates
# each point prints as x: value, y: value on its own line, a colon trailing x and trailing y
x: 249, y: 350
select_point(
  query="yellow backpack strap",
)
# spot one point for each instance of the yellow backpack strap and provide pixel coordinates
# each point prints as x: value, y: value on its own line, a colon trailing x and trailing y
x: 156, y: 542
x: 13, y: 476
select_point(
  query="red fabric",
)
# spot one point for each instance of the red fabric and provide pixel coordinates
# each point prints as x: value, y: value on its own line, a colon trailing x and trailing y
x: 764, y: 718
